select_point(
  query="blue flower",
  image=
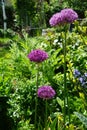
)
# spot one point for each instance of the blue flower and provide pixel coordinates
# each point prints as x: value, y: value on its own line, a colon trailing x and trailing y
x: 81, y: 79
x: 76, y: 73
x: 85, y: 74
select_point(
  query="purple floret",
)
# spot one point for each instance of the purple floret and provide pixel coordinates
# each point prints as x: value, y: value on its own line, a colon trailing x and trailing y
x: 46, y: 92
x: 37, y: 55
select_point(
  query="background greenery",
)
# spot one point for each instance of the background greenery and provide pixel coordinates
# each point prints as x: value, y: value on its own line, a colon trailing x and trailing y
x: 36, y: 14
x: 18, y: 78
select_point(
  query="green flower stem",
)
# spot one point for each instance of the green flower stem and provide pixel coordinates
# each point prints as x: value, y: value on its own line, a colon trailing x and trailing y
x: 66, y: 99
x: 46, y: 115
x: 64, y: 47
x: 68, y: 106
x: 36, y: 100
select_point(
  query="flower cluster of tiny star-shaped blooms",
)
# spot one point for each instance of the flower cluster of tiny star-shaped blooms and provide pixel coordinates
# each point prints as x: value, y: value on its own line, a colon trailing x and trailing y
x: 82, y: 78
x: 77, y: 73
x: 37, y: 55
x: 46, y: 92
x: 64, y: 16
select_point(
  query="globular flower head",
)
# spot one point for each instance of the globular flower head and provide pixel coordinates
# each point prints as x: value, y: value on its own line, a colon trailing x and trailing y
x: 56, y: 19
x: 37, y: 55
x: 69, y: 15
x: 46, y: 92
x: 63, y: 17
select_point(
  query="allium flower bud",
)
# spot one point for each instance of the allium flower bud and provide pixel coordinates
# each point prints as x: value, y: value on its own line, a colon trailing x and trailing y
x: 46, y: 92
x: 37, y: 55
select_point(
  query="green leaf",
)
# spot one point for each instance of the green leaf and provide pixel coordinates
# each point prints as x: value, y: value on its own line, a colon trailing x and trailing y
x: 60, y: 102
x: 82, y: 118
x: 53, y: 125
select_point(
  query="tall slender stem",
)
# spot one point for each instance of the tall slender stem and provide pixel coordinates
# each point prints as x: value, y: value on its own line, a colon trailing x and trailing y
x: 36, y: 100
x: 46, y: 115
x: 64, y: 47
x: 68, y: 107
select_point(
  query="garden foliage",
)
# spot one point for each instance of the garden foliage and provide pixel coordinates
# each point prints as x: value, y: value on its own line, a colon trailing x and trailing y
x: 18, y: 79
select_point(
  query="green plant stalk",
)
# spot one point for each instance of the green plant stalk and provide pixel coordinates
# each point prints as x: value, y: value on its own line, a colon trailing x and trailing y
x: 64, y: 47
x: 36, y: 100
x: 46, y: 115
x: 68, y: 106
x: 66, y: 100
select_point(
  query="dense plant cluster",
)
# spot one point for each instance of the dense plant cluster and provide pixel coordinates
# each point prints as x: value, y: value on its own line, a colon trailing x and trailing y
x: 18, y: 78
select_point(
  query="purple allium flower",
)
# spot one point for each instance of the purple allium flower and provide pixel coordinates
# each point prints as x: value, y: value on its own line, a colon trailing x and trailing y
x: 76, y: 73
x: 37, y: 55
x: 46, y: 92
x: 65, y: 16
x: 56, y: 19
x: 69, y: 15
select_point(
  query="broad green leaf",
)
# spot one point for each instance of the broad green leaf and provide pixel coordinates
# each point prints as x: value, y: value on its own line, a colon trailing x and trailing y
x: 82, y: 118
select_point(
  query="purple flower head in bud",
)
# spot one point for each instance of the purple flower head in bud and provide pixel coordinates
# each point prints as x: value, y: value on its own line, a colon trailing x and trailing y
x: 37, y: 55
x: 76, y: 73
x: 46, y: 92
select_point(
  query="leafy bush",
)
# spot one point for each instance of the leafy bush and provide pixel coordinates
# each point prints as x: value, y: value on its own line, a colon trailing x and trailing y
x: 18, y: 79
